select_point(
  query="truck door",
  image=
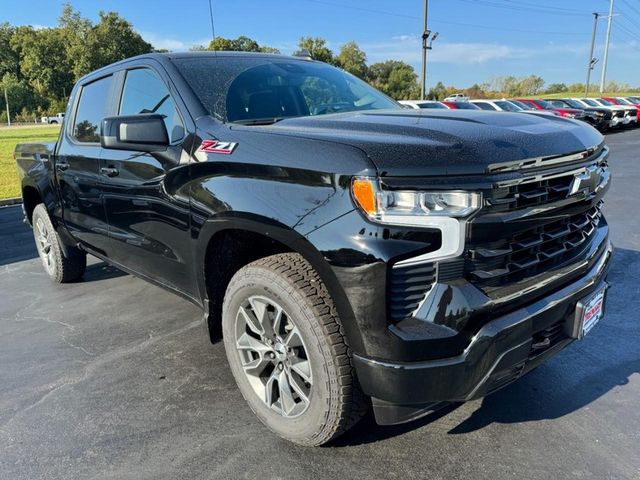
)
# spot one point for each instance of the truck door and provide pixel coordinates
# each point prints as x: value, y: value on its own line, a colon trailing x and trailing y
x: 77, y: 165
x: 148, y: 223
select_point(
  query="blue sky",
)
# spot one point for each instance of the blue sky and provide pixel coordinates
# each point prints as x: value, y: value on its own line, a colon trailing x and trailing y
x: 479, y: 39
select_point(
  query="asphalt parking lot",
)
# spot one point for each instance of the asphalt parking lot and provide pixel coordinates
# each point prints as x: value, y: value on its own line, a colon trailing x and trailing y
x: 114, y: 378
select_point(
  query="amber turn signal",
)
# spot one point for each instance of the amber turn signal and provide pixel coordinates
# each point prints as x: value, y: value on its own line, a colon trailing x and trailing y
x: 364, y: 193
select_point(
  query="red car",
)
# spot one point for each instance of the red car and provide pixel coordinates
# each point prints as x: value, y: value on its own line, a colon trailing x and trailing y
x: 544, y: 105
x: 460, y: 106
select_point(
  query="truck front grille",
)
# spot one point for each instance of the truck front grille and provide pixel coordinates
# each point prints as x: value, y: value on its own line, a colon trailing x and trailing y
x: 408, y: 287
x: 532, y: 251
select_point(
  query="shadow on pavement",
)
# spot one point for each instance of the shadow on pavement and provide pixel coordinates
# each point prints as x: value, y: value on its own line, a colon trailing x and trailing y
x: 578, y: 376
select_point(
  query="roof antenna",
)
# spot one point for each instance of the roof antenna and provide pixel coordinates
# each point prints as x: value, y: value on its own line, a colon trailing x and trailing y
x: 213, y: 31
x: 303, y: 53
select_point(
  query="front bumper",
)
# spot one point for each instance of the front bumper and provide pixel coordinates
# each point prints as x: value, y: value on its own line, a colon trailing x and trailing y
x: 503, y: 350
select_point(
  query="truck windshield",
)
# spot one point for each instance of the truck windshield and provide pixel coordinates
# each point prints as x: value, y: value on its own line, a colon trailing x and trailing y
x: 261, y: 90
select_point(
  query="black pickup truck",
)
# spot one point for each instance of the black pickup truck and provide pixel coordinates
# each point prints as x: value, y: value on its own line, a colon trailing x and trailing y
x: 349, y: 252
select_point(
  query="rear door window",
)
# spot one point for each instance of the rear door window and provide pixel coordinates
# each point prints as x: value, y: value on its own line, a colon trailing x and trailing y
x: 92, y: 108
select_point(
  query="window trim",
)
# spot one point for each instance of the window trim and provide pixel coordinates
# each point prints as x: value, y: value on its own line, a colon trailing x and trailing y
x: 122, y: 82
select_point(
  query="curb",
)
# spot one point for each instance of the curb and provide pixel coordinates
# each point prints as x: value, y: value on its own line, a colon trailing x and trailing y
x: 10, y: 201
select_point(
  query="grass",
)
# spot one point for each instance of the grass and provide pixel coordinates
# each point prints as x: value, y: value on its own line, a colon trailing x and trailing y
x: 9, y: 137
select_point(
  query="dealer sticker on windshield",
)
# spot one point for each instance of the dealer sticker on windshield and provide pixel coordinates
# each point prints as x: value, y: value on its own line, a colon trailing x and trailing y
x: 592, y: 312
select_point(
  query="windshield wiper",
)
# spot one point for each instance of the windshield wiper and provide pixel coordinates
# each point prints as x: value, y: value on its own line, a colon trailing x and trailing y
x: 260, y: 121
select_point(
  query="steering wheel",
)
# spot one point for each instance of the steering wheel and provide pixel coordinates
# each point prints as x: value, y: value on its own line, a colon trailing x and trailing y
x: 331, y: 108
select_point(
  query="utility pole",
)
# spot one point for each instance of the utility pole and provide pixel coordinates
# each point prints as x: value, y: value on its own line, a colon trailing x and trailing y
x: 6, y: 102
x: 425, y: 36
x: 592, y: 61
x: 606, y: 47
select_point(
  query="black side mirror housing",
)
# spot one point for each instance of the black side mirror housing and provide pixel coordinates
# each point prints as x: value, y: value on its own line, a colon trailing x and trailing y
x: 145, y: 132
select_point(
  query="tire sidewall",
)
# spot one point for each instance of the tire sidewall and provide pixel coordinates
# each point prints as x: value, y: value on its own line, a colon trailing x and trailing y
x: 40, y: 212
x: 255, y: 280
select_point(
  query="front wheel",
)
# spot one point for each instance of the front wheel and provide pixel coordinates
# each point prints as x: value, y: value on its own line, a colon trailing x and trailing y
x: 60, y: 268
x: 287, y: 351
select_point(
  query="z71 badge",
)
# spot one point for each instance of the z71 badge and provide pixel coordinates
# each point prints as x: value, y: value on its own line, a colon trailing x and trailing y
x: 215, y: 146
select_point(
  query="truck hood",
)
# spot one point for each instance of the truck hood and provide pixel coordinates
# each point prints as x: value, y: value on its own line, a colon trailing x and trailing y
x: 428, y: 142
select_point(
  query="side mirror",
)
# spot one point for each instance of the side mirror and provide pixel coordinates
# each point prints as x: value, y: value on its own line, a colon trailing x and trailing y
x: 145, y: 132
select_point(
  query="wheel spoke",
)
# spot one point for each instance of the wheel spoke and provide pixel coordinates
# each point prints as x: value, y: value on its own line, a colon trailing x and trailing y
x: 299, y: 389
x: 247, y: 342
x: 269, y: 389
x: 287, y: 402
x: 259, y: 307
x: 251, y: 321
x: 257, y: 366
x: 293, y: 339
x: 302, y: 367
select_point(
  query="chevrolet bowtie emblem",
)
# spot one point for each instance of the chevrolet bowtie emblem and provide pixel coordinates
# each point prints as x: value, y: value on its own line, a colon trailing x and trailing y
x: 586, y: 181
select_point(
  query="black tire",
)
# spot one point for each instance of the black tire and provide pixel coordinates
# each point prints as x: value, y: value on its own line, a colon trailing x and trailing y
x: 335, y: 402
x: 59, y: 267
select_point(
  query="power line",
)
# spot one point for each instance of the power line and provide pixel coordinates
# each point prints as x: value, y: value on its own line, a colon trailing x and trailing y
x: 434, y: 20
x: 523, y: 8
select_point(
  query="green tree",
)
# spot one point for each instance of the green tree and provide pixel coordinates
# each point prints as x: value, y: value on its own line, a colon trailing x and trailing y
x: 44, y: 62
x: 9, y: 58
x: 438, y: 92
x: 113, y: 39
x: 352, y: 59
x: 557, y: 88
x: 395, y: 78
x: 20, y: 96
x: 317, y: 48
x: 240, y: 44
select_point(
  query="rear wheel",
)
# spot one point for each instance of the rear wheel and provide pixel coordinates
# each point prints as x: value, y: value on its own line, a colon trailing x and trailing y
x: 60, y: 268
x: 287, y: 352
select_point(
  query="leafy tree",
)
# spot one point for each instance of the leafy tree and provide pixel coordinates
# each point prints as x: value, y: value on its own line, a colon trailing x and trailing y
x: 240, y: 44
x: 44, y: 62
x: 20, y: 96
x: 557, y: 88
x: 317, y: 48
x: 395, y: 78
x: 352, y: 59
x: 438, y: 92
x: 114, y: 39
x: 9, y: 58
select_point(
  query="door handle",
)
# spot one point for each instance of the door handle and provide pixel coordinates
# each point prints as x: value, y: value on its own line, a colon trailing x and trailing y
x: 109, y: 171
x: 62, y: 166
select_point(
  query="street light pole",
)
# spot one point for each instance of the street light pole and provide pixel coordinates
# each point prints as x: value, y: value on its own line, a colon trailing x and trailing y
x: 6, y: 102
x: 591, y: 59
x: 425, y: 36
x: 606, y: 47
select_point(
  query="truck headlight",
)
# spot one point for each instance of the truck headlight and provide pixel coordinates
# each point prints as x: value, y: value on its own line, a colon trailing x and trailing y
x: 409, y: 207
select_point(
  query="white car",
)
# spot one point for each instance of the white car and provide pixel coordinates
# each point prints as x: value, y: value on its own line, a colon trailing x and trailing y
x: 457, y: 97
x: 618, y: 116
x: 418, y: 104
x: 505, y: 105
x: 58, y: 118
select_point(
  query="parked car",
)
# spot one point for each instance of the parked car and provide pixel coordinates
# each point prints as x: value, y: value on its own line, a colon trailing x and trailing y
x: 418, y: 104
x: 533, y: 110
x: 624, y: 103
x: 460, y: 105
x: 562, y: 111
x: 618, y: 114
x: 496, y: 105
x: 599, y: 117
x: 457, y: 97
x: 58, y: 118
x: 629, y: 112
x: 348, y: 251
